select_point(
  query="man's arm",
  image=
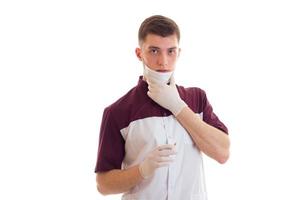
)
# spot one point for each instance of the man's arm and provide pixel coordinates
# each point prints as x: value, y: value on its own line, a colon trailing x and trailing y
x: 118, y: 181
x: 210, y: 140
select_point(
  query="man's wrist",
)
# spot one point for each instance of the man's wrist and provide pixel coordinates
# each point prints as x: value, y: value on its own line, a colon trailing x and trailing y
x: 179, y: 107
x: 142, y: 171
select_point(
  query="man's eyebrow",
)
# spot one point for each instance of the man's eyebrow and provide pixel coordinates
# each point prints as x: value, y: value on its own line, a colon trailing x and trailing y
x: 154, y: 47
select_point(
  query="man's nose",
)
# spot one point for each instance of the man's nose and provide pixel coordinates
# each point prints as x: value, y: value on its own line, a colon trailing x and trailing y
x: 163, y: 61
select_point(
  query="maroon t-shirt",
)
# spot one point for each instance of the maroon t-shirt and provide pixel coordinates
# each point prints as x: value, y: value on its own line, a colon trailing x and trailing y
x: 137, y: 105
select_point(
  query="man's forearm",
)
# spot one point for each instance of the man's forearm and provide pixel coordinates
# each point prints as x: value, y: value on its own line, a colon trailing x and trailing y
x: 210, y: 140
x: 118, y: 181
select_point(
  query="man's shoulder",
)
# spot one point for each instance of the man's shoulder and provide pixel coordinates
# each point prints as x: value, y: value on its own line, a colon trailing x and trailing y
x: 190, y: 91
x: 195, y: 97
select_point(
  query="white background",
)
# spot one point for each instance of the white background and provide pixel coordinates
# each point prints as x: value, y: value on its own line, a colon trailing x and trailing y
x: 62, y: 62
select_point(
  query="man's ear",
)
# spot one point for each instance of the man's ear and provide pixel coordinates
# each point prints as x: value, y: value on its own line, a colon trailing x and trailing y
x: 138, y: 53
x: 179, y: 50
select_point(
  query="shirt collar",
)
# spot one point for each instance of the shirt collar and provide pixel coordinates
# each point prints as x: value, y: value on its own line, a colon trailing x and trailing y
x: 142, y: 84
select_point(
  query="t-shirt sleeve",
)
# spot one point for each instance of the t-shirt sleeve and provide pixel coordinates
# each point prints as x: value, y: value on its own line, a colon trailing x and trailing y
x: 111, y: 144
x: 209, y: 116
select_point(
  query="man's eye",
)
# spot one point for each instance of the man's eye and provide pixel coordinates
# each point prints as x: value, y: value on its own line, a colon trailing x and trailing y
x: 172, y: 51
x: 153, y: 51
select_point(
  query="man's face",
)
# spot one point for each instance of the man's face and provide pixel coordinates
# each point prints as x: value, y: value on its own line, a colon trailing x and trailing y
x: 159, y: 53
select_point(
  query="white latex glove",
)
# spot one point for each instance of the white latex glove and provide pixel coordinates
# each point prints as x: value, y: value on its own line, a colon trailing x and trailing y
x: 166, y: 95
x: 161, y: 156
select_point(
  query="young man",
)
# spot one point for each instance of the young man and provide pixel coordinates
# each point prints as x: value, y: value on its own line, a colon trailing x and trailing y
x: 152, y: 138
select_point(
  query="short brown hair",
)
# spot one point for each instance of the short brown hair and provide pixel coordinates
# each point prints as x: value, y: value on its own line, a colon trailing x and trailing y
x: 158, y: 25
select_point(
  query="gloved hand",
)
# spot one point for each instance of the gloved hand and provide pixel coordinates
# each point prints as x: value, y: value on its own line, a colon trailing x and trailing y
x: 166, y: 95
x: 161, y: 156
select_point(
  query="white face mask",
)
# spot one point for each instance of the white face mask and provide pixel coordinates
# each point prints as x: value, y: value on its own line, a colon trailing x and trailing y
x: 157, y: 77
